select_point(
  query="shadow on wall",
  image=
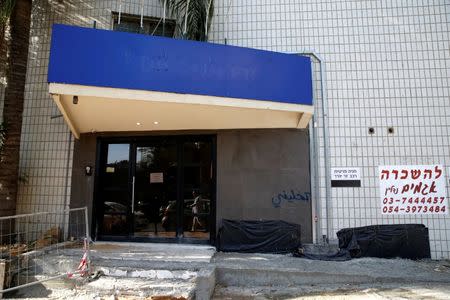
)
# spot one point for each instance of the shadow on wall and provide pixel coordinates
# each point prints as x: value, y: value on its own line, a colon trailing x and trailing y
x: 264, y: 175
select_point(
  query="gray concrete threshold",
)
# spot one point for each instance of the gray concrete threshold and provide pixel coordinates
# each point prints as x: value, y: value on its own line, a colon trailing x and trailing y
x: 153, y: 251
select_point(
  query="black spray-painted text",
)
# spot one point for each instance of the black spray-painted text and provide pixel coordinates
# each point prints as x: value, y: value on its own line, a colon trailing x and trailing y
x: 290, y: 196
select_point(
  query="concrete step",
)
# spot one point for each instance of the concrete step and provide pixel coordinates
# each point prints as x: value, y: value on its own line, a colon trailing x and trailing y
x: 272, y: 277
x: 157, y: 252
x: 107, y: 287
x: 182, y: 284
x: 144, y: 288
x: 122, y: 259
x: 132, y: 269
x: 246, y: 270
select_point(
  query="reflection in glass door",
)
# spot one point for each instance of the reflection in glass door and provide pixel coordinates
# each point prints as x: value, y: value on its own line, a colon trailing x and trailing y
x: 114, y: 190
x: 155, y: 191
x: 197, y: 188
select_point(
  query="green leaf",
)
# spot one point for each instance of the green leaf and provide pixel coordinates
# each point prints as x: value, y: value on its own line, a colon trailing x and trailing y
x: 198, y: 17
x: 6, y: 8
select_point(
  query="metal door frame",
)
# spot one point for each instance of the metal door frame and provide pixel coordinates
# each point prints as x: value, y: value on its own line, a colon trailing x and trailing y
x: 134, y: 142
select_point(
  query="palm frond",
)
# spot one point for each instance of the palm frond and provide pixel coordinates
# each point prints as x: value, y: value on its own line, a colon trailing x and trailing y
x: 198, y: 17
x: 6, y: 8
x: 210, y: 15
x: 2, y: 135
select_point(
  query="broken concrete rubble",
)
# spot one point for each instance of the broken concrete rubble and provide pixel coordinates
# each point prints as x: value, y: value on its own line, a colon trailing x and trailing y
x: 155, y: 271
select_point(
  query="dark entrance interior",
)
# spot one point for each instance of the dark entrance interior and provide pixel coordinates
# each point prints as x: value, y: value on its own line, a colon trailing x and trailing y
x: 158, y: 189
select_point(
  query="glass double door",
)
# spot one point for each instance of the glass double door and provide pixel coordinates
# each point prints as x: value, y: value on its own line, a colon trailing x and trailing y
x: 161, y: 188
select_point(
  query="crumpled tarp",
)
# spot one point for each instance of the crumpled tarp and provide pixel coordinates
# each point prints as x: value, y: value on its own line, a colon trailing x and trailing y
x: 273, y: 236
x: 341, y: 255
x: 386, y: 241
x: 409, y: 241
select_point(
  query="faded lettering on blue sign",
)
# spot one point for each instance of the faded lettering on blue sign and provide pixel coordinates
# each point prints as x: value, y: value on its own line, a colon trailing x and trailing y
x: 291, y: 196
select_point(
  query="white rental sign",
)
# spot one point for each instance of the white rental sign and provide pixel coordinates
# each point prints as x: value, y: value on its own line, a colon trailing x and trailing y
x: 413, y: 190
x: 345, y: 177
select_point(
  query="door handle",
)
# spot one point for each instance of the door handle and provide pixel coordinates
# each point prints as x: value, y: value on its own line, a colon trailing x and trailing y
x: 132, y: 195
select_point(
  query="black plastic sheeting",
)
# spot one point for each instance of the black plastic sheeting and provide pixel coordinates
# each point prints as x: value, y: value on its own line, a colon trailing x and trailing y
x: 259, y: 236
x: 386, y: 241
x: 341, y: 255
x: 409, y: 241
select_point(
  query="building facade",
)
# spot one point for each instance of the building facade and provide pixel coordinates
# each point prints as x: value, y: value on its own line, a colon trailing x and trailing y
x: 381, y: 98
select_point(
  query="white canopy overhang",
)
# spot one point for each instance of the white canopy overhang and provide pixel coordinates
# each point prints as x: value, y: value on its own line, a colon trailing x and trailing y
x: 100, y: 109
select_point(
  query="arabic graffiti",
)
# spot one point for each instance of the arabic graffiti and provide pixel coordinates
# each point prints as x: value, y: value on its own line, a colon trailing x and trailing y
x: 291, y: 196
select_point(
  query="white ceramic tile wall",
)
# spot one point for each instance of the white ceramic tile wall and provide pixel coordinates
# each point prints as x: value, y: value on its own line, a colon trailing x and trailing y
x: 47, y: 145
x: 387, y: 64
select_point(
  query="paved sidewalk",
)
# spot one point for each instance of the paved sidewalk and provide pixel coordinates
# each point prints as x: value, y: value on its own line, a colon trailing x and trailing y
x: 371, y: 269
x: 142, y: 271
x: 266, y: 276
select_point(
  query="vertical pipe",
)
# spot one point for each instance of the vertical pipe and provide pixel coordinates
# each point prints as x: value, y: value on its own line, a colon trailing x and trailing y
x: 87, y: 241
x: 226, y: 23
x: 326, y: 145
x: 206, y: 22
x: 142, y: 14
x: 164, y: 12
x: 185, y: 18
x: 67, y: 183
x: 313, y: 172
x: 120, y: 12
x: 86, y: 219
x: 164, y: 18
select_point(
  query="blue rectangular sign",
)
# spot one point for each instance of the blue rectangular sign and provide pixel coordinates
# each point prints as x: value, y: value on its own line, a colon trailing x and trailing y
x: 106, y: 58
